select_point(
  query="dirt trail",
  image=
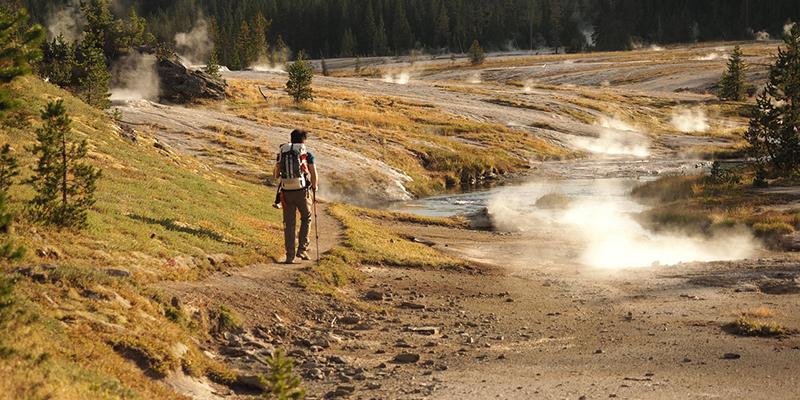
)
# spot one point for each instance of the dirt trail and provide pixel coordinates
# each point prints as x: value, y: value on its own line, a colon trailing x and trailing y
x: 261, y: 291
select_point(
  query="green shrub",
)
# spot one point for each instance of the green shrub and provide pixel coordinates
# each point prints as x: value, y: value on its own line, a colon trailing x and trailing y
x: 752, y: 327
x: 228, y: 320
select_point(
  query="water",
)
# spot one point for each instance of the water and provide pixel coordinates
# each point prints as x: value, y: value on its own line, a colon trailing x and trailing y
x: 616, y: 190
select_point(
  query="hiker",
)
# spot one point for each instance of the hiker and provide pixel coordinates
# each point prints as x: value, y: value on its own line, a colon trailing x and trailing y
x: 298, y: 186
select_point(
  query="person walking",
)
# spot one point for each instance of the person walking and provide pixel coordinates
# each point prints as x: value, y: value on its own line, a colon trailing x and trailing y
x: 298, y: 185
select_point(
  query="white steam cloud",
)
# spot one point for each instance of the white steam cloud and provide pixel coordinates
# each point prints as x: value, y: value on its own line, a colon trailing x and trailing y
x: 787, y: 29
x: 136, y: 78
x: 401, y: 79
x: 760, y: 35
x: 475, y: 78
x: 196, y: 45
x: 606, y: 231
x: 690, y: 120
x: 709, y: 57
x: 616, y: 139
x: 67, y: 20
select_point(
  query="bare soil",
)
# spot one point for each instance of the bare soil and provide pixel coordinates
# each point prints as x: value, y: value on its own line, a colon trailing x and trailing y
x: 527, y: 322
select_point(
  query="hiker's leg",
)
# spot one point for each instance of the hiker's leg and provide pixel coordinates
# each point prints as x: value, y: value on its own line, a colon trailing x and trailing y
x: 304, y: 206
x: 290, y: 221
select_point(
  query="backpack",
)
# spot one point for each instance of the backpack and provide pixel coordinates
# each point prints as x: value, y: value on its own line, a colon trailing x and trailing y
x: 294, y: 169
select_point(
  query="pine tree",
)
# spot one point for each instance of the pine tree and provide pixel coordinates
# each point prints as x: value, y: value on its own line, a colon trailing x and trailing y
x: 94, y: 86
x: 300, y: 75
x: 64, y: 185
x: 732, y: 85
x: 258, y: 38
x: 9, y: 168
x: 8, y: 251
x: 19, y: 46
x: 280, y: 382
x: 348, y: 43
x: 212, y: 66
x: 775, y: 125
x: 476, y: 55
x: 244, y: 47
x: 402, y: 34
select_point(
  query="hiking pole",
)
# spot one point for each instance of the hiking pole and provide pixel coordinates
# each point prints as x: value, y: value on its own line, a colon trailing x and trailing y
x: 316, y: 230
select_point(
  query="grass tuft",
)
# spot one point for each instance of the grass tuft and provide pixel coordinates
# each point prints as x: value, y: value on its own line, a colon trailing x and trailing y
x: 747, y: 326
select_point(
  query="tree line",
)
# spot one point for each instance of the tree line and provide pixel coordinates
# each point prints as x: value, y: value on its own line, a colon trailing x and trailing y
x: 344, y: 28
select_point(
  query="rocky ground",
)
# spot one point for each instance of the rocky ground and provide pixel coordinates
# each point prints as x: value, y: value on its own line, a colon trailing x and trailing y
x: 528, y: 321
x: 514, y: 328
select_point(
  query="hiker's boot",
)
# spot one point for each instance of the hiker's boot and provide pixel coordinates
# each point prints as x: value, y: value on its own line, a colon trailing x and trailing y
x: 303, y: 254
x: 289, y: 259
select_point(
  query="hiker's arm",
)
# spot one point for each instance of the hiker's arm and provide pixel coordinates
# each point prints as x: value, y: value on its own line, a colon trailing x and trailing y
x: 312, y: 170
x: 277, y: 171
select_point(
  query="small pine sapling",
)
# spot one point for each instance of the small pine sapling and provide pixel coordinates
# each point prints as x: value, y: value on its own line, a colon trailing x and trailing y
x: 280, y: 382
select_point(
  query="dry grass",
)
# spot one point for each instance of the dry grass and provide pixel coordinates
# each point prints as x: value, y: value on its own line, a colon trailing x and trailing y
x: 760, y: 312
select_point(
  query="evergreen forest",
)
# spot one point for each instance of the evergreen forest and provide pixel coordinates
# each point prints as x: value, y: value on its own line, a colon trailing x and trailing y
x: 345, y: 28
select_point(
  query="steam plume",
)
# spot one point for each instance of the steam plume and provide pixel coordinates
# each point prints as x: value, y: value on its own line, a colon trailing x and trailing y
x: 401, y: 79
x: 196, y: 45
x: 616, y: 138
x: 68, y: 20
x: 608, y: 235
x: 690, y: 120
x: 136, y: 78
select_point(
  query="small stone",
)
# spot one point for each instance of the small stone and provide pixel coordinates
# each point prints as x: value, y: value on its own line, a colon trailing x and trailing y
x: 375, y: 295
x: 315, y: 373
x: 407, y: 358
x: 731, y: 356
x: 426, y: 330
x: 344, y: 390
x: 341, y: 360
x: 413, y: 306
x: 350, y: 319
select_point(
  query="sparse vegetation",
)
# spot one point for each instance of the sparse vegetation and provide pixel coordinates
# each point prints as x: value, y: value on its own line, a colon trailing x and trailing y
x: 748, y: 326
x: 228, y: 320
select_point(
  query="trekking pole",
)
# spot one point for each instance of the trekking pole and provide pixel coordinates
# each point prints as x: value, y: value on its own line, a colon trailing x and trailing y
x: 316, y: 230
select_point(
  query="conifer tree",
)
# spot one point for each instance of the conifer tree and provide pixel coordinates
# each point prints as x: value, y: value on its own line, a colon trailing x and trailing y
x: 64, y: 185
x: 8, y: 251
x: 732, y: 85
x: 19, y: 45
x: 244, y: 47
x: 94, y: 86
x: 300, y: 75
x: 9, y: 168
x: 775, y: 125
x: 348, y: 43
x: 280, y: 382
x: 476, y: 55
x: 402, y: 34
x: 212, y: 66
x: 258, y: 38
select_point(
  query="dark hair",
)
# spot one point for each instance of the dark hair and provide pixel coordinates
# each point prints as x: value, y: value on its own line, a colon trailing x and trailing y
x: 299, y: 136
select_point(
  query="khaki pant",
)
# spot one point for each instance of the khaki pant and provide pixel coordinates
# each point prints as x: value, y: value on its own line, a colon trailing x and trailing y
x: 295, y: 201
